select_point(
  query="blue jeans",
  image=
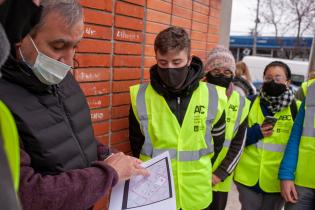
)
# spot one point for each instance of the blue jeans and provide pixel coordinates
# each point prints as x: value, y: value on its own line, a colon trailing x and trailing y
x: 306, y: 199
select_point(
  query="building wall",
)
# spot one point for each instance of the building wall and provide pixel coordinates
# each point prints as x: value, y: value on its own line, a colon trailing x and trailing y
x: 117, y: 52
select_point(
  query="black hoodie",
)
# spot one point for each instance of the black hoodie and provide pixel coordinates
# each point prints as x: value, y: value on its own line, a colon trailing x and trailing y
x: 178, y: 103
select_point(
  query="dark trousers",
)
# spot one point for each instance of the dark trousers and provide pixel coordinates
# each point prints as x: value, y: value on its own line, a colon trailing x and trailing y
x: 219, y: 201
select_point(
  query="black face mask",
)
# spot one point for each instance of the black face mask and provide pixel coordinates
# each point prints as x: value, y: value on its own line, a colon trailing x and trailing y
x: 173, y: 78
x: 219, y: 80
x: 274, y: 89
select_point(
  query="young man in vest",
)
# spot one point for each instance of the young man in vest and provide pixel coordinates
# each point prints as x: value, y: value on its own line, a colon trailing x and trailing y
x: 256, y: 173
x: 297, y: 172
x: 183, y: 115
x: 62, y: 167
x: 220, y: 70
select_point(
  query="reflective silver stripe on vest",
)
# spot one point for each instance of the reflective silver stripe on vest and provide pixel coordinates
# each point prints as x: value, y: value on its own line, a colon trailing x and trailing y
x: 270, y: 147
x: 148, y: 149
x: 308, y: 127
x: 183, y: 155
x: 143, y: 118
x: 227, y: 142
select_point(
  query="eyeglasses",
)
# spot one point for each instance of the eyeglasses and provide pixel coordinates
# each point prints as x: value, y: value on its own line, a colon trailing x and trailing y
x: 277, y: 78
x: 218, y: 72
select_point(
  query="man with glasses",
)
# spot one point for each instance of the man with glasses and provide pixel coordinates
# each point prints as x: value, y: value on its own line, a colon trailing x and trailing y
x: 220, y: 70
x: 270, y: 121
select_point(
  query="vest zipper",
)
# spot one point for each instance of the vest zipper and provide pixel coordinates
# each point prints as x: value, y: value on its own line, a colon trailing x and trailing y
x: 68, y: 122
x: 178, y: 109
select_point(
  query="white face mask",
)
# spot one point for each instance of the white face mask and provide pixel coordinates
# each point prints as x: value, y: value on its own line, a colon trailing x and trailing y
x: 48, y: 70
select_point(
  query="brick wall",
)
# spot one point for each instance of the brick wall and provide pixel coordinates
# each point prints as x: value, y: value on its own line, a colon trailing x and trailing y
x: 117, y: 52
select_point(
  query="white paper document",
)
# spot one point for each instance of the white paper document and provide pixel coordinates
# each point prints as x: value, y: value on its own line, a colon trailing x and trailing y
x: 154, y: 192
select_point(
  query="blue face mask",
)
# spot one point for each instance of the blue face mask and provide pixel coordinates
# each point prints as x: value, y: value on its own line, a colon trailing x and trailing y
x: 48, y: 70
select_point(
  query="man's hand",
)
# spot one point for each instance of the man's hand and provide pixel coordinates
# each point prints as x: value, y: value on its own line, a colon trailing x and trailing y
x: 288, y: 191
x: 215, y: 180
x: 126, y: 166
x: 266, y: 130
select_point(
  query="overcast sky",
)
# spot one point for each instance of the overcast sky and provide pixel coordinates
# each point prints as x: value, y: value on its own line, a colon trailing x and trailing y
x: 243, y: 17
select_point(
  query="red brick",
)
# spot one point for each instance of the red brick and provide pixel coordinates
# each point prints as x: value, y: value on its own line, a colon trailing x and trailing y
x: 201, y: 8
x: 92, y: 74
x: 98, y: 88
x: 124, y: 147
x: 213, y: 29
x: 183, y: 3
x: 98, y: 101
x: 97, y: 46
x: 127, y: 35
x: 128, y: 48
x: 98, y: 17
x: 197, y: 35
x: 129, y: 9
x: 104, y: 139
x: 139, y: 2
x: 210, y: 46
x: 149, y: 50
x: 214, y: 21
x: 200, y: 17
x: 102, y: 5
x: 198, y: 45
x: 120, y: 99
x: 182, y: 12
x: 100, y: 114
x: 100, y: 32
x: 93, y: 60
x: 215, y: 4
x: 149, y: 61
x: 120, y: 111
x: 204, y: 2
x: 129, y: 23
x: 146, y: 74
x: 181, y: 22
x: 159, y: 5
x: 127, y: 73
x: 119, y: 137
x: 127, y: 61
x: 199, y: 26
x: 213, y: 38
x: 199, y: 53
x: 215, y: 13
x: 123, y: 86
x: 150, y: 38
x: 155, y: 27
x: 100, y: 128
x: 119, y: 124
x: 158, y: 17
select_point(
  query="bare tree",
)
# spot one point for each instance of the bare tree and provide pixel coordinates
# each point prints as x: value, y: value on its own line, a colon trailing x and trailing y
x: 293, y: 15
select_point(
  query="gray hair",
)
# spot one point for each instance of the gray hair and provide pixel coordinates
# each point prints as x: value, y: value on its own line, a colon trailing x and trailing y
x: 70, y: 10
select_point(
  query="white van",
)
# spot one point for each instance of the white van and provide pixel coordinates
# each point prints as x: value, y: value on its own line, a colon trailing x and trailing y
x: 256, y: 66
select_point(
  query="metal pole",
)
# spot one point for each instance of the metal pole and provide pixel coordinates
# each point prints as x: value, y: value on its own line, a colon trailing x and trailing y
x: 311, y: 67
x: 256, y: 26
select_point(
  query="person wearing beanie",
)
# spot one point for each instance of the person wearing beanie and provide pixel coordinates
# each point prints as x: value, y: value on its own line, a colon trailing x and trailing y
x: 220, y: 70
x: 270, y: 122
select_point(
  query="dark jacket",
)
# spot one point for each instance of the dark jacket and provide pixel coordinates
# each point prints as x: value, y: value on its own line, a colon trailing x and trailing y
x: 59, y: 160
x: 178, y: 103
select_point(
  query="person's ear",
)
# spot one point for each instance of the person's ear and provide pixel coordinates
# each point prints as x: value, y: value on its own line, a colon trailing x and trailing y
x: 288, y: 83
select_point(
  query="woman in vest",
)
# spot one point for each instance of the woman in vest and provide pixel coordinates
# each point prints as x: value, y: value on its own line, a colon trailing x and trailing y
x: 256, y: 173
x: 297, y: 173
x: 220, y: 69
